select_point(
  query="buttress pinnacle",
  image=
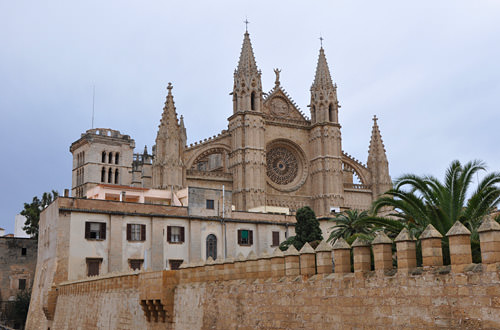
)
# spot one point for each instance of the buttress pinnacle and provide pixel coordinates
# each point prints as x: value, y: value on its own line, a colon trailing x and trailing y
x: 169, y: 115
x: 376, y: 149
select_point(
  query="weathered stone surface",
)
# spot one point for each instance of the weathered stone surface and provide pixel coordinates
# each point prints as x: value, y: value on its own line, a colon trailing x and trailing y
x: 427, y: 300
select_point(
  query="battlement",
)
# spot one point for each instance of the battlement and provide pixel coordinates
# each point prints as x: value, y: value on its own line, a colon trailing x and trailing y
x: 304, y: 289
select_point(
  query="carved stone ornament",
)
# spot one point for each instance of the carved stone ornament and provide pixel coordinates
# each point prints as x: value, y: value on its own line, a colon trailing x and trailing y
x: 282, y: 165
x: 279, y: 107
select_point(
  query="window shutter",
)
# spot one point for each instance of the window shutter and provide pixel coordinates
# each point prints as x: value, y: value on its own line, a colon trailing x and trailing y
x: 129, y: 231
x: 250, y: 237
x: 87, y: 229
x: 143, y: 232
x: 276, y: 238
x: 169, y: 233
x: 182, y: 234
x: 103, y: 231
x: 239, y: 236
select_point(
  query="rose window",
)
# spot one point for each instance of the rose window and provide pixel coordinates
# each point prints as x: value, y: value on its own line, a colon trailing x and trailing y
x: 282, y: 165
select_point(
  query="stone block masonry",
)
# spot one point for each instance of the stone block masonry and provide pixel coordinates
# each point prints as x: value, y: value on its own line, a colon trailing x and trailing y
x: 262, y: 293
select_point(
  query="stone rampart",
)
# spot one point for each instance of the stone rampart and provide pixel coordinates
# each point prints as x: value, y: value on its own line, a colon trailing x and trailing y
x: 298, y: 290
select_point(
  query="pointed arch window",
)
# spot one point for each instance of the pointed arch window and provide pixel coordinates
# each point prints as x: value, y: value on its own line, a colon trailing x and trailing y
x: 313, y: 114
x: 117, y: 158
x: 103, y: 157
x: 117, y: 173
x: 110, y: 175
x: 252, y: 101
x: 331, y: 115
x: 110, y: 158
x: 103, y: 175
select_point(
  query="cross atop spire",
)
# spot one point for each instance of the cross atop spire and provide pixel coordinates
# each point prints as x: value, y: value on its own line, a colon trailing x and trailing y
x: 322, y: 79
x: 321, y: 40
x: 246, y: 24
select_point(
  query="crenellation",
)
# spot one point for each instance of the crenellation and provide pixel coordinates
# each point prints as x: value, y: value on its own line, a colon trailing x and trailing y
x: 460, y: 247
x: 406, y: 251
x: 432, y: 253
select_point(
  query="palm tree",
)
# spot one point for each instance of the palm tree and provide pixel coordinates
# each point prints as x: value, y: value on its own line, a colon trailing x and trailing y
x: 354, y: 223
x: 421, y: 200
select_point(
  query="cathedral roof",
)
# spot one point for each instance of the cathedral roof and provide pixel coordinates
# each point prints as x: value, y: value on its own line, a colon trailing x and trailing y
x: 322, y: 79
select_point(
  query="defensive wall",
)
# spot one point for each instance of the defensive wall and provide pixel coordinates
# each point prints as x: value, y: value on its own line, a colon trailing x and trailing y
x: 298, y: 290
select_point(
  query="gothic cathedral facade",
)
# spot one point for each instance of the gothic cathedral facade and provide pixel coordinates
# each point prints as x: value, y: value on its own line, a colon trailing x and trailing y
x: 270, y: 155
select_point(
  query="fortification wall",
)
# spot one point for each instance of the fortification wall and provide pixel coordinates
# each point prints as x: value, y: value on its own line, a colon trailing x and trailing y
x: 297, y: 290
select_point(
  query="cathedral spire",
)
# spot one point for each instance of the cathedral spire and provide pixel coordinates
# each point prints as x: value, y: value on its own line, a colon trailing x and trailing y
x: 322, y: 79
x: 377, y: 162
x: 247, y: 89
x: 324, y: 104
x: 168, y: 167
x: 169, y: 115
x: 247, y: 64
x: 376, y: 150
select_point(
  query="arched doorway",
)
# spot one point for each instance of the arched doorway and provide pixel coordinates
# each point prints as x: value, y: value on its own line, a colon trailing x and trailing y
x: 212, y: 246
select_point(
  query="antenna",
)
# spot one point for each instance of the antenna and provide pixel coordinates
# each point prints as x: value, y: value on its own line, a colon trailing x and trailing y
x: 93, y: 103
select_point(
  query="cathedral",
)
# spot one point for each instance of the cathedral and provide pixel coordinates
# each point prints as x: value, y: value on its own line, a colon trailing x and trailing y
x: 271, y: 156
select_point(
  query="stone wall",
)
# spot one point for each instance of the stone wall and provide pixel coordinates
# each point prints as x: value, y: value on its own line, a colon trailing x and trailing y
x: 17, y: 267
x: 297, y: 290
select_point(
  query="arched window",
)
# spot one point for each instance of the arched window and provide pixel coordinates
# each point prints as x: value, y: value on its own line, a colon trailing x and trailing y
x: 83, y: 157
x: 103, y: 160
x: 82, y: 176
x: 252, y: 101
x: 212, y: 246
x: 116, y: 176
x: 103, y: 175
x: 110, y: 158
x: 313, y: 114
x: 117, y: 158
x: 330, y: 113
x: 110, y: 175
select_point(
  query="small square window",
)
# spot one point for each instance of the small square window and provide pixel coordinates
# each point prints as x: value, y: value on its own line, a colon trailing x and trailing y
x: 175, y: 264
x: 136, y: 264
x: 175, y: 234
x: 22, y: 284
x: 136, y: 232
x: 210, y: 204
x: 23, y: 251
x: 95, y: 230
x: 245, y: 237
x: 93, y: 266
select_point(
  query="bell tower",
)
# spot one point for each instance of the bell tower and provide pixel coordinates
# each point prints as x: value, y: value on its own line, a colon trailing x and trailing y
x: 325, y: 141
x: 247, y: 160
x: 169, y: 170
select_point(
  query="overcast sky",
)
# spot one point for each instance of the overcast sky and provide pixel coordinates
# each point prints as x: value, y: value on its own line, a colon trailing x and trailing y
x: 430, y: 70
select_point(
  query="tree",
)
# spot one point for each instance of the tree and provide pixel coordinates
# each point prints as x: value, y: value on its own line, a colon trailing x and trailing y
x: 17, y: 310
x: 418, y: 201
x: 32, y: 212
x: 307, y: 229
x: 351, y: 224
